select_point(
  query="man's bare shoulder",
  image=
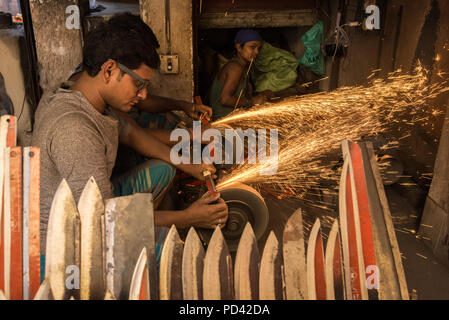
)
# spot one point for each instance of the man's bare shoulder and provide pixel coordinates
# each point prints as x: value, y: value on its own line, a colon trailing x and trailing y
x: 233, y: 66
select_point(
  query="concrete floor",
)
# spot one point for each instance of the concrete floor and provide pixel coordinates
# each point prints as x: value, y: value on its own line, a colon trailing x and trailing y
x: 426, y: 277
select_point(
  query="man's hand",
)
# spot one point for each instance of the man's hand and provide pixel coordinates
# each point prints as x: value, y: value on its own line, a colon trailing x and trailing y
x: 204, y: 214
x: 196, y: 170
x: 194, y: 111
x: 259, y: 99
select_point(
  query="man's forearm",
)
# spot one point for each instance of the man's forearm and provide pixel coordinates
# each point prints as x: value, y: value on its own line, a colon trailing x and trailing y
x: 166, y: 218
x: 162, y: 135
x: 157, y: 104
x: 148, y: 145
x: 231, y: 101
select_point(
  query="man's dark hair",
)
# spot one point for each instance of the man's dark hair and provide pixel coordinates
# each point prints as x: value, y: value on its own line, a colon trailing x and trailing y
x: 124, y: 38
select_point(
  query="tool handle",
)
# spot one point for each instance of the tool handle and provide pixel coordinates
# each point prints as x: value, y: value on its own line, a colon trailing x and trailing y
x: 210, y: 182
x: 198, y: 100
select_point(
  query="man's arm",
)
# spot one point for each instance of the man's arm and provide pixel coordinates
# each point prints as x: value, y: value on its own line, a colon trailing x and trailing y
x: 148, y: 145
x: 79, y: 153
x: 157, y: 104
x: 229, y: 95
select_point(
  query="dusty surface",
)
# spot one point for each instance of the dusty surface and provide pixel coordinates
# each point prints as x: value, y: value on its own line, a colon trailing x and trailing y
x: 426, y: 277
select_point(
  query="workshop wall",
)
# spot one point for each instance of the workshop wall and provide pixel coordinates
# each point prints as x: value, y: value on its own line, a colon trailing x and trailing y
x: 422, y: 37
x: 410, y: 31
x: 178, y: 86
x: 435, y: 221
x: 59, y: 49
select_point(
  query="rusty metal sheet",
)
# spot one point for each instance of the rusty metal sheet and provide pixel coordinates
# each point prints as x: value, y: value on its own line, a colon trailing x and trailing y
x: 316, y: 279
x: 217, y: 275
x: 246, y: 268
x: 31, y: 222
x: 364, y: 214
x: 192, y: 267
x: 170, y: 274
x: 344, y: 230
x: 6, y: 226
x: 61, y: 234
x: 91, y: 209
x: 129, y: 223
x: 11, y: 136
x: 14, y: 160
x: 350, y: 232
x: 44, y: 292
x: 5, y: 141
x: 392, y: 282
x: 294, y: 256
x: 334, y: 267
x: 139, y: 289
x: 270, y: 279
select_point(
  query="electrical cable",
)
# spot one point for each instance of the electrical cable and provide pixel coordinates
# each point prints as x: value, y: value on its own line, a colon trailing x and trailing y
x: 23, y: 106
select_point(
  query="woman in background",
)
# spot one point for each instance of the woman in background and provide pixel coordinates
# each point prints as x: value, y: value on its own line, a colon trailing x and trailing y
x: 230, y: 87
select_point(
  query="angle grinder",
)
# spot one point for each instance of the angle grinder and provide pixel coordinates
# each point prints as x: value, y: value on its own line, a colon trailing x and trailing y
x: 245, y: 205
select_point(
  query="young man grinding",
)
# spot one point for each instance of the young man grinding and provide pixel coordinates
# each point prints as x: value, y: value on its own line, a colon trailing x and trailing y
x: 78, y: 129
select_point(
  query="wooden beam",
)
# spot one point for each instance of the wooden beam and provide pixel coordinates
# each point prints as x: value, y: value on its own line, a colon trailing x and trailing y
x: 258, y: 19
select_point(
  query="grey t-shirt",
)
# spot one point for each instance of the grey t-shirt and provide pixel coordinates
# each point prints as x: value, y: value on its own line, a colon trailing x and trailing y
x: 76, y: 142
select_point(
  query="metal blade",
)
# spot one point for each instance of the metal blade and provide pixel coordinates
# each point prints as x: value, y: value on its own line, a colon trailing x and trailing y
x: 316, y: 280
x: 334, y: 267
x: 129, y: 228
x: 217, y: 276
x: 192, y: 267
x: 170, y: 267
x: 60, y: 251
x: 31, y: 222
x: 139, y: 289
x: 246, y: 269
x: 270, y: 279
x: 294, y: 256
x: 91, y: 208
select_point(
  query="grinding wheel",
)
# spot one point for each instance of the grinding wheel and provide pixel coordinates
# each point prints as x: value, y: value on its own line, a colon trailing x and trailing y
x: 244, y: 205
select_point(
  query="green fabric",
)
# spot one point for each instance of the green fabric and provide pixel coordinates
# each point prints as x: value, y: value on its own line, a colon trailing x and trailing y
x: 219, y: 110
x: 313, y: 57
x: 276, y: 69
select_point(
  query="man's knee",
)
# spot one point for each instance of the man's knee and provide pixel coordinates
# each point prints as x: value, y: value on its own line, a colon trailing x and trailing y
x: 153, y: 176
x: 162, y: 174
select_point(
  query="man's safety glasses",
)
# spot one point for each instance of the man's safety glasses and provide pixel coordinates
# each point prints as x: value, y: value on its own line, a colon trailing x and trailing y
x: 142, y: 82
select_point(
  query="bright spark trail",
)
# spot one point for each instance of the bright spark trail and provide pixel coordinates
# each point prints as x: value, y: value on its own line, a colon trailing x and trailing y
x: 311, y: 127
